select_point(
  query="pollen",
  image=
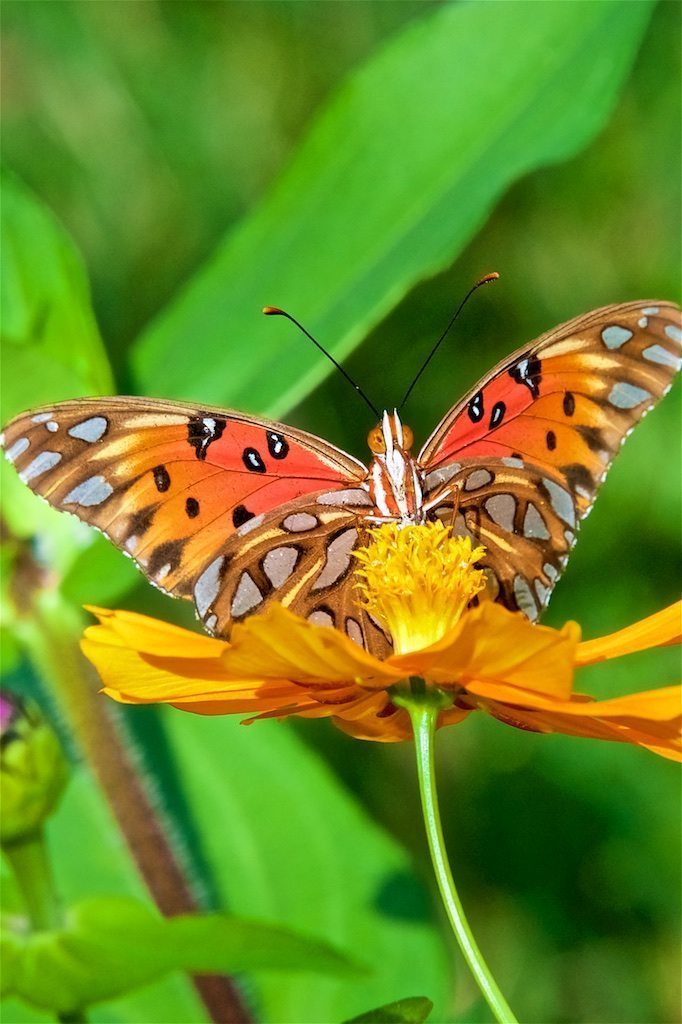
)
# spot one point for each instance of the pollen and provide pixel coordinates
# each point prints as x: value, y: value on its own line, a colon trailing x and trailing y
x: 416, y: 581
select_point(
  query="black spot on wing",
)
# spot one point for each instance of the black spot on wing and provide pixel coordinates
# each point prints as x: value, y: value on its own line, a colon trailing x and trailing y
x: 202, y: 431
x: 252, y: 460
x: 528, y: 370
x: 550, y: 438
x: 241, y: 515
x: 497, y: 415
x: 278, y: 446
x: 168, y: 553
x: 569, y: 404
x: 475, y: 408
x: 161, y: 478
x: 192, y: 508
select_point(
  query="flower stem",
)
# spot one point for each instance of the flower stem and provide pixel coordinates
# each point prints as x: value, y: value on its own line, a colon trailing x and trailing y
x: 424, y: 714
x: 31, y: 868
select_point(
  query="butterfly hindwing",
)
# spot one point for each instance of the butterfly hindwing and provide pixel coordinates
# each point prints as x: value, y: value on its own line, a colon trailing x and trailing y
x: 524, y: 453
x: 300, y: 555
x: 169, y: 482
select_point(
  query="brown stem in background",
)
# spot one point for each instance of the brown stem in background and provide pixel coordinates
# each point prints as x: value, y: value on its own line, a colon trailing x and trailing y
x: 51, y: 632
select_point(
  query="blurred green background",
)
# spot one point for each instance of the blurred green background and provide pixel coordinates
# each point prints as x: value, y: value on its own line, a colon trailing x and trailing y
x: 153, y: 131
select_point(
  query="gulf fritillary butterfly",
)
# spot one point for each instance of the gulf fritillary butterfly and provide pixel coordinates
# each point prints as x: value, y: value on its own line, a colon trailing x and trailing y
x: 234, y: 511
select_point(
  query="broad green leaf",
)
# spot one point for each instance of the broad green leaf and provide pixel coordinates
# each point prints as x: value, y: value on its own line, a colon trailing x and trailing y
x: 414, y: 1010
x: 91, y: 860
x: 396, y: 174
x: 111, y: 945
x: 51, y: 348
x: 286, y: 843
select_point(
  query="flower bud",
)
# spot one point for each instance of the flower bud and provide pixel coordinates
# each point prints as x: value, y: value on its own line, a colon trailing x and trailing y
x: 33, y: 769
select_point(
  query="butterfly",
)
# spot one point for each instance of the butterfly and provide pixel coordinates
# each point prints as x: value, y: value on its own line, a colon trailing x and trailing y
x: 233, y: 512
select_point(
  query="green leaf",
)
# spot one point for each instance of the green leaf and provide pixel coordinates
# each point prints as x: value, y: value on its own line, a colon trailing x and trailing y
x: 397, y: 173
x: 90, y: 860
x: 414, y: 1010
x: 51, y: 348
x: 286, y: 842
x: 109, y: 946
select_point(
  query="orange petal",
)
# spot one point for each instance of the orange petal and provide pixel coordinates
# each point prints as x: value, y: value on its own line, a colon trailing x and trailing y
x: 150, y: 636
x: 278, y: 644
x: 650, y: 719
x: 491, y: 643
x: 658, y: 630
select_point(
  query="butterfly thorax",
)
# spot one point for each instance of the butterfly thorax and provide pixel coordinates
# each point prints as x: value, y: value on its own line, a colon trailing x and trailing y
x: 395, y: 480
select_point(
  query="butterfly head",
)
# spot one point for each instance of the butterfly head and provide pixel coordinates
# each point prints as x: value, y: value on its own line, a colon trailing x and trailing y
x: 390, y: 434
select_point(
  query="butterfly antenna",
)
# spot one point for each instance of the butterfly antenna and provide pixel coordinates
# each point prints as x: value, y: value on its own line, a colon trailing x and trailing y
x: 484, y: 280
x: 275, y: 311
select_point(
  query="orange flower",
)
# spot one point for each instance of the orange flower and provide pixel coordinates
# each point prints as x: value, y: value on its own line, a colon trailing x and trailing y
x: 486, y: 658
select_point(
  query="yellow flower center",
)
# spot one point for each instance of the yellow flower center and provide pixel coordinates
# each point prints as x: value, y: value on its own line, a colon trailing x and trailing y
x: 417, y: 580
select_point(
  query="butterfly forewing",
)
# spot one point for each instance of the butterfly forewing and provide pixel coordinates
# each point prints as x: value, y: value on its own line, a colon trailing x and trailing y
x: 168, y: 482
x: 527, y: 449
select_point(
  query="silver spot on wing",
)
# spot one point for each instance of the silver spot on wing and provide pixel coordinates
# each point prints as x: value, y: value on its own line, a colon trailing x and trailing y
x: 438, y: 477
x: 561, y: 501
x: 660, y: 355
x: 524, y: 597
x: 41, y: 417
x: 321, y: 618
x: 479, y: 478
x: 40, y: 465
x: 18, y: 448
x: 250, y: 525
x: 354, y: 631
x: 615, y: 336
x: 502, y: 508
x: 674, y: 333
x: 207, y: 587
x: 279, y: 564
x: 627, y: 396
x: 533, y: 524
x: 338, y: 559
x: 299, y: 522
x: 550, y: 572
x: 92, y: 491
x: 349, y: 496
x: 247, y: 596
x: 89, y: 430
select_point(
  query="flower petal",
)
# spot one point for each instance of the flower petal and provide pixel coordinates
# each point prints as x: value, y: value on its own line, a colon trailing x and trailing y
x: 651, y: 719
x: 658, y: 630
x: 279, y: 644
x: 151, y: 636
x: 492, y: 643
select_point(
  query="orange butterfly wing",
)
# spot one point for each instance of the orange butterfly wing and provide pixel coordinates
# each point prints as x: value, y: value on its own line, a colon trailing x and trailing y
x: 168, y: 482
x: 525, y: 452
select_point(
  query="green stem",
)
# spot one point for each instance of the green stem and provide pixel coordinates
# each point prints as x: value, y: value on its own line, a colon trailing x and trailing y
x: 31, y: 868
x: 424, y: 711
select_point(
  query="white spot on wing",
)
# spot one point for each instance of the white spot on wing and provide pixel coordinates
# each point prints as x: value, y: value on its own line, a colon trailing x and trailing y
x: 338, y: 558
x: 321, y: 618
x: 92, y: 491
x: 247, y: 596
x: 524, y: 597
x: 207, y: 586
x: 660, y: 355
x: 354, y: 496
x: 561, y: 501
x: 90, y: 430
x: 501, y: 508
x: 479, y: 478
x: 615, y: 336
x: 279, y: 564
x: 627, y: 396
x: 674, y: 333
x: 18, y: 448
x: 40, y: 465
x: 298, y: 522
x: 52, y: 426
x: 41, y: 417
x: 652, y: 310
x: 533, y: 524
